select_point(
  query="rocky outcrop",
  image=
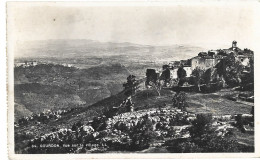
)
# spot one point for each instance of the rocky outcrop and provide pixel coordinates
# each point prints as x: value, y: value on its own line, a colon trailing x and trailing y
x: 123, y: 131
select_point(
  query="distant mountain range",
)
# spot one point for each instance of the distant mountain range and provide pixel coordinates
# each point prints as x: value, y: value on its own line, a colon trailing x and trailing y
x: 88, y: 48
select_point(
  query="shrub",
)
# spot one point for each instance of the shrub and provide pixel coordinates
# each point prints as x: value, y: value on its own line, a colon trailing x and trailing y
x: 240, y: 121
x: 187, y: 147
x: 200, y: 124
x: 179, y: 100
x: 211, y: 87
x: 131, y: 85
x: 213, y: 143
x: 198, y: 75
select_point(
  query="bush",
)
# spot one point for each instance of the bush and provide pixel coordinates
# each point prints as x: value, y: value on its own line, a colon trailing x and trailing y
x: 240, y: 121
x: 200, y: 124
x: 203, y: 118
x: 211, y: 87
x: 212, y: 143
x: 217, y: 144
x: 179, y: 100
x: 186, y: 147
x: 208, y: 142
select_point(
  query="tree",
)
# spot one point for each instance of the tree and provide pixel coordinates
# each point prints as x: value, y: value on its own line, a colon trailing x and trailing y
x: 251, y: 73
x: 233, y: 71
x: 247, y: 78
x: 210, y: 75
x: 165, y: 76
x: 131, y: 85
x: 181, y: 73
x: 157, y: 86
x: 151, y: 75
x: 179, y: 100
x: 230, y: 70
x: 198, y: 74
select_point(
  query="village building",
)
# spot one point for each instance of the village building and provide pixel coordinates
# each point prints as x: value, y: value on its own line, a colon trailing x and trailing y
x: 173, y: 73
x: 67, y: 65
x: 19, y: 64
x: 175, y: 65
x: 208, y: 60
x: 203, y: 62
x: 243, y: 59
x: 188, y: 70
x: 31, y: 63
x: 26, y: 64
x: 243, y: 56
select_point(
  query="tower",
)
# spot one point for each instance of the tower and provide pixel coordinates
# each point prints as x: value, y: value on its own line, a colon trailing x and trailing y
x: 234, y: 44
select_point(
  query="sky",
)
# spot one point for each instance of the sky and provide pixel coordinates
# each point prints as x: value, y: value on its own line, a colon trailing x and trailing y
x: 193, y: 24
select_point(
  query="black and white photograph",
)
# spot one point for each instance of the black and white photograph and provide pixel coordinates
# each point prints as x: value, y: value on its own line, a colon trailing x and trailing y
x: 89, y: 78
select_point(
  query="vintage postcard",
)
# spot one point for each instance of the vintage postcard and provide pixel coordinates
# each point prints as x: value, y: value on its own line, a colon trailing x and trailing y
x: 166, y: 79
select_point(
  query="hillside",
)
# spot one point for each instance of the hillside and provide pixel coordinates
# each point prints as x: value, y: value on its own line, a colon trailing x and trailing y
x: 146, y: 101
x: 100, y: 69
x: 86, y: 104
x: 48, y: 86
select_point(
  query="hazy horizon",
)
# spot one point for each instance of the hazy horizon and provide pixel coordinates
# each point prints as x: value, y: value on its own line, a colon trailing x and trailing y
x: 88, y: 43
x: 211, y: 26
x: 82, y: 48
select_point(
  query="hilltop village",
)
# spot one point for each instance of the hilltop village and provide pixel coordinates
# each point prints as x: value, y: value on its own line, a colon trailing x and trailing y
x: 203, y: 104
x: 213, y: 60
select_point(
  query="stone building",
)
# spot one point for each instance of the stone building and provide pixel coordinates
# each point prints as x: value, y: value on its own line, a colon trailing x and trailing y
x: 188, y: 70
x: 203, y: 63
x: 173, y: 73
x: 206, y: 60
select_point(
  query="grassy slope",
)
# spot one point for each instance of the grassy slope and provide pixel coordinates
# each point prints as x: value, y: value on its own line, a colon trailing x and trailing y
x: 149, y: 99
x: 216, y: 103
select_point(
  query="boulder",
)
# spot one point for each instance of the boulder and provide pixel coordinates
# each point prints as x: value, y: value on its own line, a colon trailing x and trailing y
x: 88, y: 129
x: 248, y: 129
